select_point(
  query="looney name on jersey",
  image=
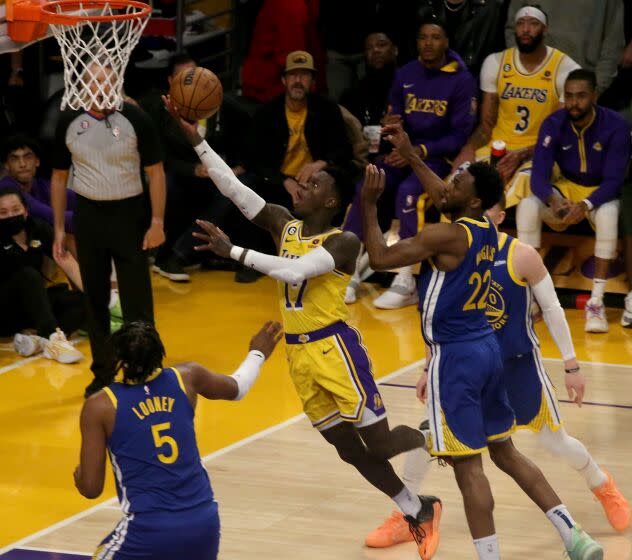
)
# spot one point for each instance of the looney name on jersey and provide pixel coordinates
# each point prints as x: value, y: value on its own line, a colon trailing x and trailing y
x: 416, y: 105
x: 485, y: 254
x: 153, y: 404
x: 516, y: 92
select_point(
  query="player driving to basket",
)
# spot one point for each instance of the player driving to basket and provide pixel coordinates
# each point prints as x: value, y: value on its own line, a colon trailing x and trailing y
x: 328, y: 362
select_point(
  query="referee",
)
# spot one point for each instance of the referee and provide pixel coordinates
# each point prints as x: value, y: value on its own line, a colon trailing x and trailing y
x: 108, y: 151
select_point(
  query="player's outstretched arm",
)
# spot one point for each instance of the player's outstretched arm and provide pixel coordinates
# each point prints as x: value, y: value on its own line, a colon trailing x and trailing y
x: 432, y: 184
x: 450, y: 239
x: 201, y: 381
x: 337, y: 253
x: 528, y: 266
x: 90, y: 474
x: 271, y: 217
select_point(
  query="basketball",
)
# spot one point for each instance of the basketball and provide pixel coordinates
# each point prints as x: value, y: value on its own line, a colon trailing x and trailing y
x: 197, y: 93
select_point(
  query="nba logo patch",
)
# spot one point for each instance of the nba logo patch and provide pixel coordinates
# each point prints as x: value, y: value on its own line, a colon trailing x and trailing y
x: 506, y: 67
x: 409, y: 200
x: 377, y: 401
x: 116, y: 132
x: 85, y: 125
x: 546, y: 141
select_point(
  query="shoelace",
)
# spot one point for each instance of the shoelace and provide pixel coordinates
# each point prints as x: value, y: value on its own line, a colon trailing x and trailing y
x: 594, y: 310
x: 415, y: 529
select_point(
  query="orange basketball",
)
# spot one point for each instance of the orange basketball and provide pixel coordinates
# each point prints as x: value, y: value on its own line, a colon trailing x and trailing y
x: 197, y: 93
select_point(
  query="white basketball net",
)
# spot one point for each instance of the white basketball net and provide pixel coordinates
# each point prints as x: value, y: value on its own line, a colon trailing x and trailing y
x: 95, y: 55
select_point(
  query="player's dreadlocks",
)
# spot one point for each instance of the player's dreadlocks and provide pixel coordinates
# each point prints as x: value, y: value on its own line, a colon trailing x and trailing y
x: 138, y: 351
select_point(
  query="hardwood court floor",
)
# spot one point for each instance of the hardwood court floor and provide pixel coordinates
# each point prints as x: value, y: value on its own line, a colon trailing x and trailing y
x: 284, y: 494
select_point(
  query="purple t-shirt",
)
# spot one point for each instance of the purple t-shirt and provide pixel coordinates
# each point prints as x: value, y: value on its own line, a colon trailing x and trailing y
x: 38, y: 200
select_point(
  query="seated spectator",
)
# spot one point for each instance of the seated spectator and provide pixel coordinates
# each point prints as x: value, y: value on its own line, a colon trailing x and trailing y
x: 521, y: 87
x: 25, y: 300
x: 21, y: 159
x: 434, y: 96
x: 295, y: 136
x: 474, y: 27
x: 190, y: 192
x: 589, y: 31
x: 368, y: 100
x: 591, y: 147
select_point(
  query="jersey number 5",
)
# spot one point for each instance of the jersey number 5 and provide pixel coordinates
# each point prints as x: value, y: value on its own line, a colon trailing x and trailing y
x: 160, y: 440
x: 297, y: 304
x: 478, y: 282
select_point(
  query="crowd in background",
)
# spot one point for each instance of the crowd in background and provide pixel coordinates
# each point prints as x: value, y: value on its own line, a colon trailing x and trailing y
x: 460, y: 75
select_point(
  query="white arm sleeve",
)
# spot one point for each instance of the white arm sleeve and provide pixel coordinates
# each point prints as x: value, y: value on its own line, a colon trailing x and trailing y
x: 553, y: 315
x: 567, y: 65
x: 489, y: 72
x: 248, y: 372
x: 291, y: 271
x: 248, y: 201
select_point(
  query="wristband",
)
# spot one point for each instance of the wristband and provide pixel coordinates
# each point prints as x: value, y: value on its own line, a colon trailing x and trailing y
x: 236, y: 252
x: 572, y: 370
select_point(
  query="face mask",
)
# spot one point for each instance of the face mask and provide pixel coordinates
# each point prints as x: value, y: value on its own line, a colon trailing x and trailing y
x: 12, y: 226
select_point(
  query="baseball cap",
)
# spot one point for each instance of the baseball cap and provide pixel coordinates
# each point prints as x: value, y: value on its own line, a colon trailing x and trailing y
x: 299, y: 60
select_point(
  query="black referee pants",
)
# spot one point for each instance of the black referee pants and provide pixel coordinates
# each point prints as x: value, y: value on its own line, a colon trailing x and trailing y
x: 109, y: 231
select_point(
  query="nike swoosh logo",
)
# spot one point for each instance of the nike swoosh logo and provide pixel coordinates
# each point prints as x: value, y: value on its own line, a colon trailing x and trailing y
x: 80, y: 132
x: 408, y: 211
x: 407, y: 86
x: 500, y: 263
x: 567, y: 147
x: 7, y: 247
x: 327, y: 351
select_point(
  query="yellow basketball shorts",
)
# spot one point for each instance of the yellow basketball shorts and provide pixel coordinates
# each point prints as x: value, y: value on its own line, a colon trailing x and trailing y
x: 332, y: 373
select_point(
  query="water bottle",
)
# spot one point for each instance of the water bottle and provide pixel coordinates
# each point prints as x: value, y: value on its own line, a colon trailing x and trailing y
x: 499, y: 149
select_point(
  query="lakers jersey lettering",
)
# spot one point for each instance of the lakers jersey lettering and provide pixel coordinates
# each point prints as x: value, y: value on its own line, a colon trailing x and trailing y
x: 414, y: 104
x: 316, y: 302
x: 512, y: 91
x: 509, y: 304
x: 525, y: 100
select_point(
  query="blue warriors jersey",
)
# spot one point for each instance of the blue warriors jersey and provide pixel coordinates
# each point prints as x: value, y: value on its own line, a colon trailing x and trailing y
x: 453, y: 303
x: 509, y: 304
x: 154, y: 454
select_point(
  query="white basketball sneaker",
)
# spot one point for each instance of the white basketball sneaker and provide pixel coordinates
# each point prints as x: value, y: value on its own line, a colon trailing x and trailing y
x: 626, y: 318
x: 403, y: 292
x: 351, y: 293
x: 27, y: 344
x: 59, y: 349
x: 595, y: 313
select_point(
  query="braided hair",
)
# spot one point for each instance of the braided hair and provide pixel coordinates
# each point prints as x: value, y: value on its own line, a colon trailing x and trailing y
x: 138, y: 351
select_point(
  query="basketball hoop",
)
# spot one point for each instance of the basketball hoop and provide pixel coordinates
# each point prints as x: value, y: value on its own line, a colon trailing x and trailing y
x: 96, y: 38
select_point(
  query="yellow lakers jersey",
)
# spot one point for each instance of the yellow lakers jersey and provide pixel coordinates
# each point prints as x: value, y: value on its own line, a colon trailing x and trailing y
x: 525, y: 100
x: 317, y: 302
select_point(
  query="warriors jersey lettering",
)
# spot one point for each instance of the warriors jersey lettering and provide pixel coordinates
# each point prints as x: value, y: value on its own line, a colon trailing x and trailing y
x: 453, y: 303
x: 316, y: 302
x: 509, y: 304
x: 525, y: 100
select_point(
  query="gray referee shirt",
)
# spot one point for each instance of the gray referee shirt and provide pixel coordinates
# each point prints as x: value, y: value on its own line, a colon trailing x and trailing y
x: 107, y: 154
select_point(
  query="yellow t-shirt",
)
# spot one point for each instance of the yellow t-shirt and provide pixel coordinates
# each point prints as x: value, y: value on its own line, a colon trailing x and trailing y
x: 525, y: 100
x: 317, y: 302
x: 297, y: 153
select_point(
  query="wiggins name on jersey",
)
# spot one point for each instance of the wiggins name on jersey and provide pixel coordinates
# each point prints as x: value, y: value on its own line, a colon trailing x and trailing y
x: 316, y: 302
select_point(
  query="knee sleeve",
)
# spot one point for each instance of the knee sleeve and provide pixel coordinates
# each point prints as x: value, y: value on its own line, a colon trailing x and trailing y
x: 560, y: 444
x: 606, y: 220
x: 529, y: 220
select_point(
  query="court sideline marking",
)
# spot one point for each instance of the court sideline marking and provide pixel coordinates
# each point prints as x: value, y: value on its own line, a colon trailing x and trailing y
x: 107, y: 504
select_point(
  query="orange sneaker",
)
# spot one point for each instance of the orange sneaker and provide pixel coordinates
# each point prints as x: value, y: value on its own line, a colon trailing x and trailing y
x: 425, y: 528
x: 393, y: 531
x: 614, y: 504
